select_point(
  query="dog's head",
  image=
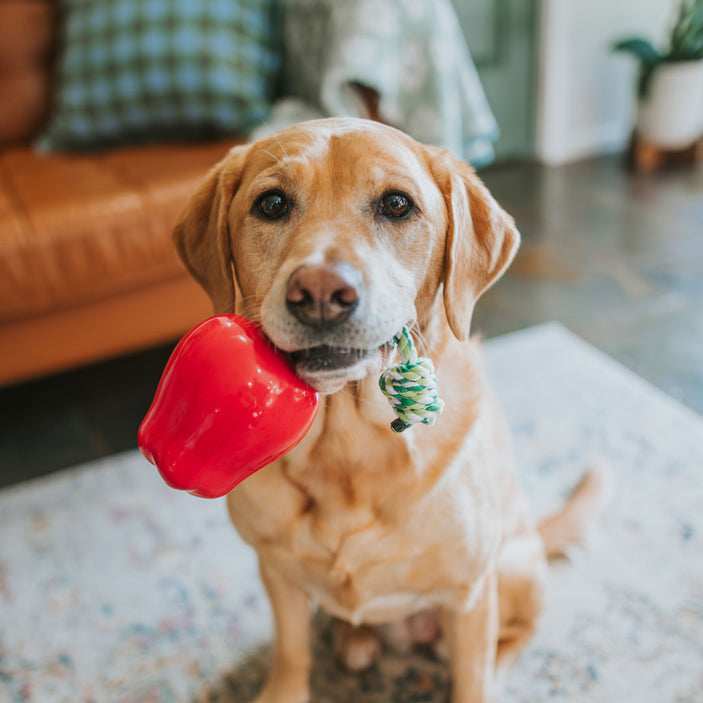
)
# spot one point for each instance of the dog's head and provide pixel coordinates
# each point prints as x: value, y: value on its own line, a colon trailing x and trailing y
x: 338, y: 232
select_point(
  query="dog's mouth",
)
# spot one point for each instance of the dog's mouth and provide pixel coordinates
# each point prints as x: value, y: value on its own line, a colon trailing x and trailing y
x: 327, y: 358
x: 327, y: 368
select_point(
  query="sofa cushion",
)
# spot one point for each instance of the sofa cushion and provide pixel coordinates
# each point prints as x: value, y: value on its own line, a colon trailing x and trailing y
x: 26, y: 49
x: 78, y: 228
x: 131, y: 71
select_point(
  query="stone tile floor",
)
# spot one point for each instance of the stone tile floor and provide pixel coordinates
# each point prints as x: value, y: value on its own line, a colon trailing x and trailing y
x: 617, y: 258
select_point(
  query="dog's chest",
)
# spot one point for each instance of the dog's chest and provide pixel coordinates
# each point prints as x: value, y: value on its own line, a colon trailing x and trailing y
x: 371, y: 525
x: 356, y: 531
x: 377, y: 571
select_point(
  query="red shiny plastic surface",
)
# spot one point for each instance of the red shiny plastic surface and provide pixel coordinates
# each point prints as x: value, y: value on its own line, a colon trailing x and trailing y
x: 228, y: 404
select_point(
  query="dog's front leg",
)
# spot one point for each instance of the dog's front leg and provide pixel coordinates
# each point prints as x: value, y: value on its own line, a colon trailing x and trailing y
x: 288, y: 680
x: 471, y: 638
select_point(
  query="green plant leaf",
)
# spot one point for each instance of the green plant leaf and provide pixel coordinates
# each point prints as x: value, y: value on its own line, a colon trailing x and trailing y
x: 640, y: 48
x: 687, y: 33
x: 644, y: 83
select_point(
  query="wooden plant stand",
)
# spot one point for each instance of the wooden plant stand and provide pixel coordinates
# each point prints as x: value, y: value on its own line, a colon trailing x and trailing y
x: 645, y: 156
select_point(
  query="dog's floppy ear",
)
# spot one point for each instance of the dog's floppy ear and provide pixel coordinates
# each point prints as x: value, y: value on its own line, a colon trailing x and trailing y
x: 481, y: 238
x: 201, y: 234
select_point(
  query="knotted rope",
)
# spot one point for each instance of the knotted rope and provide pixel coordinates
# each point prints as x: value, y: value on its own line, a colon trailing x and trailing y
x: 411, y: 386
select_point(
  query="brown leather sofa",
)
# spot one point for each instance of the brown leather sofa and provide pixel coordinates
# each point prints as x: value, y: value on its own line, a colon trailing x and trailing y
x: 87, y: 268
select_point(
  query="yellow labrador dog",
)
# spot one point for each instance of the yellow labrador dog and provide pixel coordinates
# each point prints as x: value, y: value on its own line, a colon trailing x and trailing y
x: 334, y: 234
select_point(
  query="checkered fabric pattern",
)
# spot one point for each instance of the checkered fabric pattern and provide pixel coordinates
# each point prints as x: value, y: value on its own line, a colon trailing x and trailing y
x: 153, y: 70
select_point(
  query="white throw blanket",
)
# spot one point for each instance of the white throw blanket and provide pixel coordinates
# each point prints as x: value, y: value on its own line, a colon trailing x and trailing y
x: 411, y: 52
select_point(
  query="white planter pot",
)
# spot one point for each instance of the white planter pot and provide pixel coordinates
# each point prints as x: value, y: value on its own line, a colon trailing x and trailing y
x: 671, y: 116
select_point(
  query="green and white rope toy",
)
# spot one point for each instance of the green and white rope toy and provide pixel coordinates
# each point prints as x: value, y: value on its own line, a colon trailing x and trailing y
x: 411, y: 386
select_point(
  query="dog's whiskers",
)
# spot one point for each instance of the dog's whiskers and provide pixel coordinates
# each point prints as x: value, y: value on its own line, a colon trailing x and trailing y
x: 421, y: 343
x: 283, y: 149
x: 273, y: 156
x: 251, y: 307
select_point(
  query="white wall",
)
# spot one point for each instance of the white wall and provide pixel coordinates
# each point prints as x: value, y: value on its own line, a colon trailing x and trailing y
x: 586, y: 93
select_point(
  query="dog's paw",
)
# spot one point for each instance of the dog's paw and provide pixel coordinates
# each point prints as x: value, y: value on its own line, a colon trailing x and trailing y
x: 419, y: 629
x: 356, y: 648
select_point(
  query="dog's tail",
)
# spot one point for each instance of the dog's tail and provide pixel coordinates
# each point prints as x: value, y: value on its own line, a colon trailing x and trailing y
x: 569, y: 526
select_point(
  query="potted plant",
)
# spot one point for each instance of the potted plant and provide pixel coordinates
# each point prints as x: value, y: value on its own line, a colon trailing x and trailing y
x: 670, y: 85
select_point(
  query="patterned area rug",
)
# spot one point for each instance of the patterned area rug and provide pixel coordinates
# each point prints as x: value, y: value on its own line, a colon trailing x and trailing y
x: 115, y: 588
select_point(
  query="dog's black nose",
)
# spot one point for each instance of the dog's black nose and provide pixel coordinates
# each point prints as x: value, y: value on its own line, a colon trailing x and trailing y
x: 323, y: 295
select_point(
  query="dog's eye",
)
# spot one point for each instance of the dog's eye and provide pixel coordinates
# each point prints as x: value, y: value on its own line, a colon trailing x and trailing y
x: 272, y: 205
x: 395, y: 204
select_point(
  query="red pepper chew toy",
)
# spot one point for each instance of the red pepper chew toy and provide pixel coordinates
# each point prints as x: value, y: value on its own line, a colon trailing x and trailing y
x: 228, y: 404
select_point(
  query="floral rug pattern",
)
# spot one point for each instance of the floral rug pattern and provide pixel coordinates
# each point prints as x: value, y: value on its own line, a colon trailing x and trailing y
x: 115, y: 588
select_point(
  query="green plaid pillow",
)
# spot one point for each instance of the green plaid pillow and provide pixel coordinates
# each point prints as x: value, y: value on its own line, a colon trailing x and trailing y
x: 154, y: 70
